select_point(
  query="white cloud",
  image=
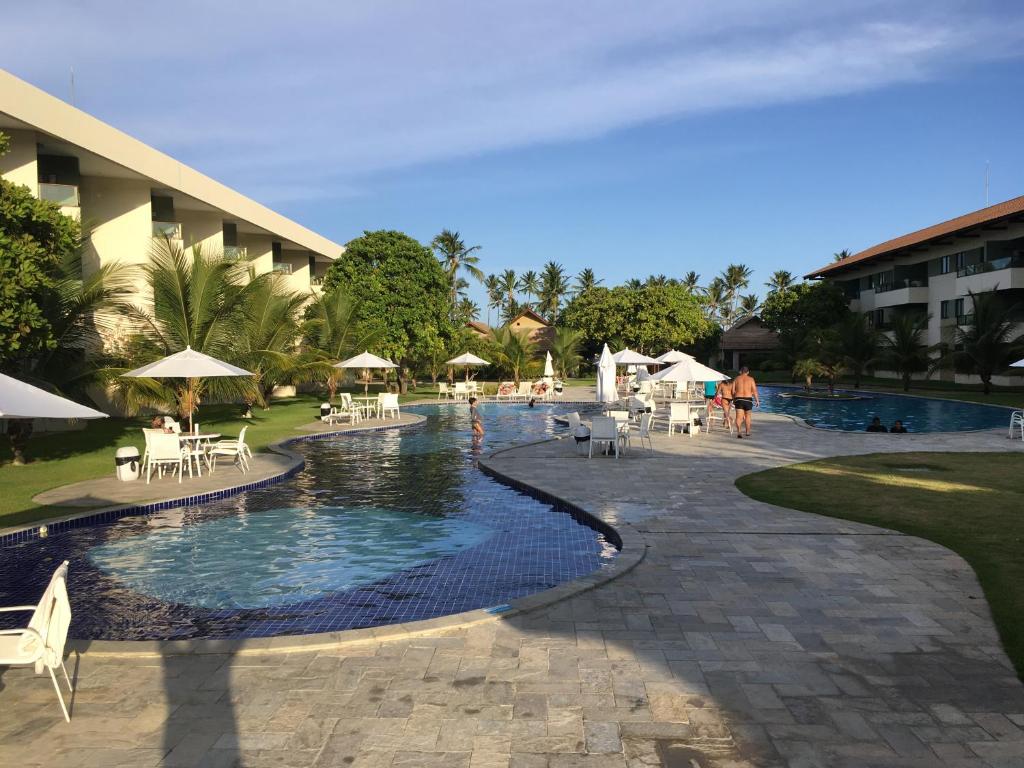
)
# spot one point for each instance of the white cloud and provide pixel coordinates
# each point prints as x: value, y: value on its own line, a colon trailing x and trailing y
x: 323, y: 94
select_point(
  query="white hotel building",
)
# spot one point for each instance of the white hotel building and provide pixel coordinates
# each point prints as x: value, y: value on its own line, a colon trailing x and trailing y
x: 930, y: 272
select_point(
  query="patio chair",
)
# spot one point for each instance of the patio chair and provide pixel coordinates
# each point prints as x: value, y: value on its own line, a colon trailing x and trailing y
x: 461, y: 391
x: 645, y: 430
x: 604, y: 430
x: 580, y: 433
x: 717, y: 414
x: 525, y: 391
x: 41, y: 643
x: 443, y: 392
x: 164, y: 450
x: 622, y: 422
x: 389, y: 404
x: 347, y: 410
x: 236, y: 449
x: 682, y: 414
x: 1016, y: 422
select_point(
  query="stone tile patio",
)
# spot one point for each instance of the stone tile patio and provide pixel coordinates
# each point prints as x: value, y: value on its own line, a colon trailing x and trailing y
x: 749, y: 636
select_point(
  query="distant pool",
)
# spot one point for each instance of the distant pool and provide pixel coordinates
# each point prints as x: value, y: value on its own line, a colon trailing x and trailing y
x: 918, y: 414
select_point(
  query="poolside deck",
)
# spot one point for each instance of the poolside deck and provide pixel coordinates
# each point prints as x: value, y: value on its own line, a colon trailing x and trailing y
x: 749, y: 636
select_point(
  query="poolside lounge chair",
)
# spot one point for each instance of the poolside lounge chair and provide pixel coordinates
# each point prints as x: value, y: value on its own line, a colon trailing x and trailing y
x: 165, y: 451
x: 682, y: 414
x: 580, y: 433
x: 236, y: 449
x: 506, y: 391
x: 41, y: 642
x: 388, y: 404
x: 604, y: 430
x: 525, y: 391
x: 346, y: 410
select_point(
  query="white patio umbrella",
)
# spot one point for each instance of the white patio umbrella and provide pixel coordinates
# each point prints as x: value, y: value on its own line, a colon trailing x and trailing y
x: 19, y: 400
x: 606, y: 377
x: 673, y: 356
x: 467, y: 359
x: 686, y: 371
x: 628, y: 357
x: 549, y: 366
x: 187, y: 364
x: 366, y: 361
x: 1018, y: 364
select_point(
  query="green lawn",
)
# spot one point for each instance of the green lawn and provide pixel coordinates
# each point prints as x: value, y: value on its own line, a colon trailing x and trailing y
x: 971, y: 503
x: 1011, y: 396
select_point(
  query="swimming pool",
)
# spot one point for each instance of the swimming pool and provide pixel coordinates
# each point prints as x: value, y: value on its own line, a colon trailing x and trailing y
x: 380, y: 528
x: 918, y: 414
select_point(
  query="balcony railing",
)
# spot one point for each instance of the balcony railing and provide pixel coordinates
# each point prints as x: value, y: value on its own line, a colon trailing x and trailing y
x: 283, y: 267
x: 61, y: 194
x: 1006, y: 262
x: 965, y: 319
x: 235, y: 252
x: 169, y: 229
x: 316, y: 280
x: 885, y: 287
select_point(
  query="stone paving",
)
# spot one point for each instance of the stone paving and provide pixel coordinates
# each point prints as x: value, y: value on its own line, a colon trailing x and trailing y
x: 749, y: 636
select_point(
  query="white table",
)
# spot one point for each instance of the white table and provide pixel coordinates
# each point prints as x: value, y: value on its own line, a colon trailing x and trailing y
x: 195, y: 443
x: 368, y: 405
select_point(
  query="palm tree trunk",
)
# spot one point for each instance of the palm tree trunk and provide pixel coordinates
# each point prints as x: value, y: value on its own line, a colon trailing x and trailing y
x: 19, y: 431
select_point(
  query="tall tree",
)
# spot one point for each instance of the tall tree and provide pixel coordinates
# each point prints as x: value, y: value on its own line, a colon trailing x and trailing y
x: 332, y: 332
x: 843, y: 254
x: 715, y: 302
x: 749, y: 305
x: 692, y: 281
x: 904, y: 349
x: 780, y: 280
x: 456, y: 257
x: 508, y: 282
x: 554, y: 285
x: 492, y: 285
x: 586, y: 280
x: 529, y: 284
x: 402, y: 293
x: 990, y: 342
x: 858, y: 343
x: 735, y: 278
x: 565, y: 351
x: 466, y: 311
x: 515, y: 351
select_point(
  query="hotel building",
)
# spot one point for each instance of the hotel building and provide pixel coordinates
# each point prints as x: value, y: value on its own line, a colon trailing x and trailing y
x: 127, y: 193
x: 930, y: 272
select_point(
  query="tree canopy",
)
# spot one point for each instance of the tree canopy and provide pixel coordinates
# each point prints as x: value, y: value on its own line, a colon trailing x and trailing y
x: 804, y: 307
x: 648, y: 318
x: 401, y: 290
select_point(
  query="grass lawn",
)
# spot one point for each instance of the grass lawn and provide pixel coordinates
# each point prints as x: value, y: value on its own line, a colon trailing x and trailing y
x: 1011, y: 396
x: 971, y: 503
x: 59, y: 458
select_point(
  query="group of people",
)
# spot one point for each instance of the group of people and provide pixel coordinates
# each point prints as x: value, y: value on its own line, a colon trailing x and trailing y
x: 739, y: 394
x: 897, y: 427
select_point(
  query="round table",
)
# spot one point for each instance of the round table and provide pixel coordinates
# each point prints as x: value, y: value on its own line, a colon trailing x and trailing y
x: 367, y: 404
x: 197, y: 440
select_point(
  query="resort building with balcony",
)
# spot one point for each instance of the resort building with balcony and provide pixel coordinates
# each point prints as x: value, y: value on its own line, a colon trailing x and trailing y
x: 931, y: 272
x: 126, y: 194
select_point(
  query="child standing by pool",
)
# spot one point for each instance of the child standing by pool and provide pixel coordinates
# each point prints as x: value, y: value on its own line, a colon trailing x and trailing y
x: 474, y: 418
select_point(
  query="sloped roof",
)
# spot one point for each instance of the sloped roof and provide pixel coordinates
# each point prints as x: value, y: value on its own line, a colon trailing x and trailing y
x: 749, y: 333
x: 991, y: 214
x: 527, y: 312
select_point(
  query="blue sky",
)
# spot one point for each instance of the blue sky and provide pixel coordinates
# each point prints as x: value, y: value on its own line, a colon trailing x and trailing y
x: 683, y: 137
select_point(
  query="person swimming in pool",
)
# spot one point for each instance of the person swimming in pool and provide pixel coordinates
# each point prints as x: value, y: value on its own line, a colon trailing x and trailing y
x: 474, y: 418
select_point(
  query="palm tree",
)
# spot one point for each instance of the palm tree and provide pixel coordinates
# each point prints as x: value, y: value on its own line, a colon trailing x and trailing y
x: 857, y: 344
x: 553, y: 287
x: 565, y: 351
x: 492, y: 285
x: 749, y: 305
x: 988, y: 344
x: 659, y: 281
x: 586, y: 280
x: 467, y: 310
x: 734, y: 278
x: 715, y: 300
x: 904, y: 350
x: 634, y: 283
x: 529, y: 284
x: 332, y: 333
x: 508, y: 284
x: 691, y: 281
x: 456, y: 258
x: 840, y: 255
x: 515, y: 351
x: 780, y: 280
x: 807, y: 368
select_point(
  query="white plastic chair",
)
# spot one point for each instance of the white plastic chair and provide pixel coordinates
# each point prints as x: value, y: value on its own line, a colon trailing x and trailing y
x: 580, y: 433
x: 525, y: 391
x: 645, y: 431
x: 347, y: 410
x: 682, y: 414
x: 622, y: 422
x: 237, y: 449
x: 443, y: 393
x: 604, y: 430
x: 41, y: 643
x: 461, y: 391
x: 1016, y: 422
x: 389, y: 404
x: 717, y: 414
x: 165, y: 450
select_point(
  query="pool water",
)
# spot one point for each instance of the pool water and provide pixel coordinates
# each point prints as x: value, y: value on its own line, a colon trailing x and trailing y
x: 918, y: 414
x: 380, y: 528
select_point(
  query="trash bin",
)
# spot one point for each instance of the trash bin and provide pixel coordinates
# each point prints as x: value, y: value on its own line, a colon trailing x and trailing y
x: 325, y: 409
x: 127, y: 462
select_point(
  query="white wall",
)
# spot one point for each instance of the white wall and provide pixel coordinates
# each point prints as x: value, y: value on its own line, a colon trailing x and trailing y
x: 20, y: 165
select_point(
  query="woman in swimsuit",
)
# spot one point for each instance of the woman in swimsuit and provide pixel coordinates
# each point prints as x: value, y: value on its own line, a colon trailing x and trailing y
x: 725, y: 393
x: 474, y: 418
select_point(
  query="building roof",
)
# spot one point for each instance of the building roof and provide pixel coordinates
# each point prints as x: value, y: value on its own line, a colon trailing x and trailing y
x: 750, y: 333
x: 1010, y: 209
x: 476, y: 325
x: 25, y: 107
x: 527, y: 312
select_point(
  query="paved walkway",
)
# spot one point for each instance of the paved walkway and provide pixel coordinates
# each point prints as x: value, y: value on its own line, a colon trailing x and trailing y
x: 749, y: 636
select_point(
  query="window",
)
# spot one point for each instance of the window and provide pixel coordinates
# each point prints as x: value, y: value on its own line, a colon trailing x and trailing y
x: 944, y: 309
x: 958, y: 307
x: 944, y: 265
x: 961, y: 260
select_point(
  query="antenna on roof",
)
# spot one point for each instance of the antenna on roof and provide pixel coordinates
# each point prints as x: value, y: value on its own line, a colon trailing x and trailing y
x: 72, y: 86
x: 987, y: 175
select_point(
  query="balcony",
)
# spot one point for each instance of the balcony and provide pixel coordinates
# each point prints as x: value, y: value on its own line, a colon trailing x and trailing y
x: 1005, y: 273
x: 235, y: 253
x: 283, y: 267
x: 316, y: 280
x: 965, y: 320
x: 170, y: 230
x: 1006, y: 262
x: 896, y: 295
x: 64, y: 195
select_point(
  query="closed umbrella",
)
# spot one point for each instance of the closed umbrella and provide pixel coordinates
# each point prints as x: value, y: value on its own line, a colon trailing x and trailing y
x: 19, y: 400
x: 467, y: 360
x: 549, y: 366
x: 366, y: 362
x: 606, y: 392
